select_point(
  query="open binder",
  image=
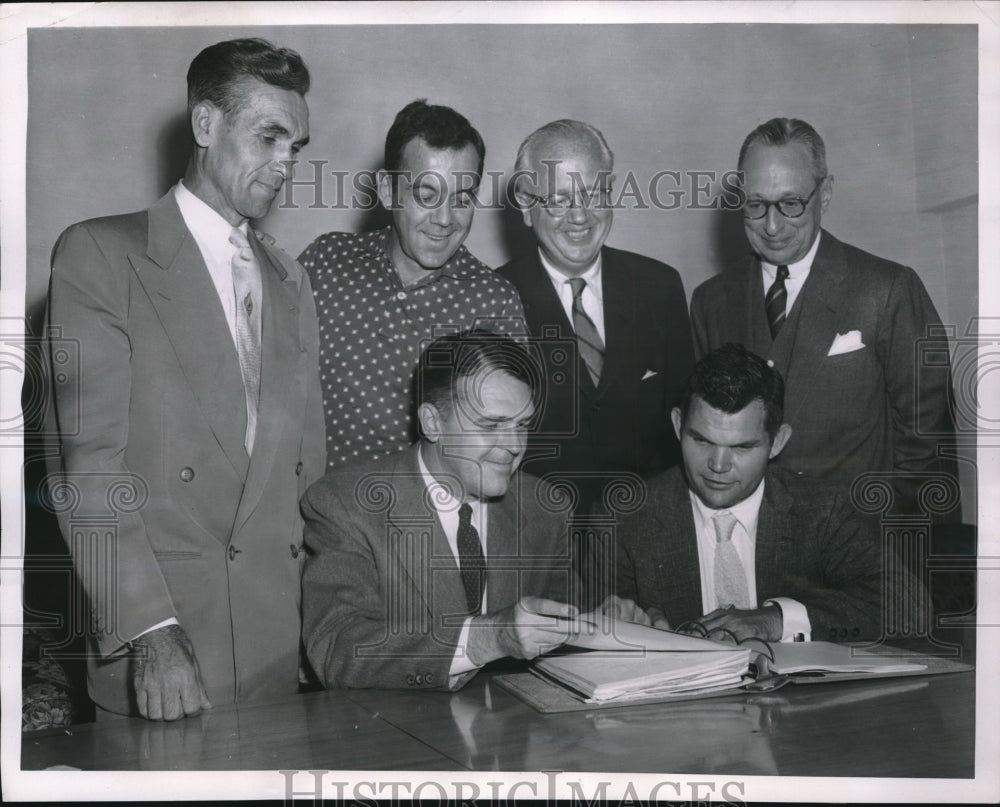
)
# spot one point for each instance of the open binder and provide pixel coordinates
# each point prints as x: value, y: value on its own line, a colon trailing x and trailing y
x: 628, y: 664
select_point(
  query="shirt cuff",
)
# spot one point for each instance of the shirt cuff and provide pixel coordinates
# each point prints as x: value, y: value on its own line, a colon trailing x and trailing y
x: 795, y: 624
x: 460, y: 662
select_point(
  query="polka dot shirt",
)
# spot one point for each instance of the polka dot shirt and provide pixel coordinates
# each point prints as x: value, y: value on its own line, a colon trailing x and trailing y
x: 372, y: 331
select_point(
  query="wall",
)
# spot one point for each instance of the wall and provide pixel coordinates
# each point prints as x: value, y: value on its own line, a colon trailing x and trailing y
x: 896, y: 104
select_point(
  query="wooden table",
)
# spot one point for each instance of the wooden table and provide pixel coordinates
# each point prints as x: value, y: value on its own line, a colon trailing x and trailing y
x: 905, y: 727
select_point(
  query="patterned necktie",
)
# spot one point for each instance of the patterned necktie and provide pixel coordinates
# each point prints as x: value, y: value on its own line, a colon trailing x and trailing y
x: 774, y: 302
x: 470, y: 559
x: 587, y: 339
x: 247, y: 285
x: 730, y: 576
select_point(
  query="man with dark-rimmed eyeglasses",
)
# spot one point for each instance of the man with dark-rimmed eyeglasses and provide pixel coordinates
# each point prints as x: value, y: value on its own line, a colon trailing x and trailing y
x: 612, y: 325
x: 843, y: 327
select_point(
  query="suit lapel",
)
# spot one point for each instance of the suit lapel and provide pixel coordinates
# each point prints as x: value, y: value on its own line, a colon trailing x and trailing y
x: 436, y: 579
x: 823, y: 295
x: 280, y: 355
x: 616, y: 291
x: 678, y: 546
x: 178, y: 284
x: 774, y: 528
x: 501, y: 542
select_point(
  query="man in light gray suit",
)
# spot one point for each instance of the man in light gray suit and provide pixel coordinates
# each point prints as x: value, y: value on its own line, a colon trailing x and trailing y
x: 427, y: 565
x: 733, y: 543
x: 196, y: 408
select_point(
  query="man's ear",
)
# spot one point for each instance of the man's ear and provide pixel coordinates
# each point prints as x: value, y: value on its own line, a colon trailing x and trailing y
x: 826, y: 193
x: 525, y: 202
x: 430, y: 422
x: 205, y: 120
x: 675, y: 418
x: 780, y: 439
x: 384, y: 183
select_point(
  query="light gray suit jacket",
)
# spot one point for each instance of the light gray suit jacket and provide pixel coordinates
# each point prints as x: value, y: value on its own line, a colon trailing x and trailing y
x: 152, y: 426
x: 383, y: 599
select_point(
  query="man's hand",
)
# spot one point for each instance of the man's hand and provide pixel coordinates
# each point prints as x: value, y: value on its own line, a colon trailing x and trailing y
x: 524, y: 630
x: 165, y: 675
x: 728, y: 623
x: 628, y: 611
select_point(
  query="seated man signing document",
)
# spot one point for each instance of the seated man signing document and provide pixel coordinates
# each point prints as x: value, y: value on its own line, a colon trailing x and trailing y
x: 429, y: 564
x: 729, y: 543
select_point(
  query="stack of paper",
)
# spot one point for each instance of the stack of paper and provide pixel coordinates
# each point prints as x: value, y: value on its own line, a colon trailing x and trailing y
x: 629, y: 661
x: 827, y: 657
x: 626, y: 675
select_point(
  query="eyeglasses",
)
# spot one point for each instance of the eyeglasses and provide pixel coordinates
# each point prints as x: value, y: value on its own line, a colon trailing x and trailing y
x: 791, y: 207
x: 558, y: 205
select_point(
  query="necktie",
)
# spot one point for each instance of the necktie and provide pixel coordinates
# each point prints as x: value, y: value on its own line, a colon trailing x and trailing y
x: 587, y: 339
x: 774, y: 302
x: 730, y: 576
x: 247, y: 285
x: 470, y: 559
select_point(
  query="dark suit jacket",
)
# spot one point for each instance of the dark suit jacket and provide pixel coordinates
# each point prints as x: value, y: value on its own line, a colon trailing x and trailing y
x: 881, y: 408
x: 383, y: 601
x: 811, y: 547
x: 156, y: 403
x: 623, y: 424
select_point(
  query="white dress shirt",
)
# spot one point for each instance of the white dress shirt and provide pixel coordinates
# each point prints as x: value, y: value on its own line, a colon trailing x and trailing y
x: 592, y: 298
x: 446, y: 507
x: 797, y: 274
x: 211, y: 234
x: 794, y: 618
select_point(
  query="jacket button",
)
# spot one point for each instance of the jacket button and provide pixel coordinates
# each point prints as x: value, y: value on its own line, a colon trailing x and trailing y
x: 298, y: 469
x: 295, y: 550
x: 419, y: 679
x: 409, y: 680
x: 429, y: 678
x: 187, y: 474
x: 233, y: 552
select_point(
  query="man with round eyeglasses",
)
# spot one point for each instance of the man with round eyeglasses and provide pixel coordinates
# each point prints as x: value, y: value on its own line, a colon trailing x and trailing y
x: 845, y: 328
x: 612, y: 326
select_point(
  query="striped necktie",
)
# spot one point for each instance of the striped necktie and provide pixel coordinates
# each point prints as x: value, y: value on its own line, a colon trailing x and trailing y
x: 587, y: 339
x: 775, y: 301
x: 247, y: 286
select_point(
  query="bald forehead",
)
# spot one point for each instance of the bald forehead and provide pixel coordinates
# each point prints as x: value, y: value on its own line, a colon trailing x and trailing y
x: 572, y: 145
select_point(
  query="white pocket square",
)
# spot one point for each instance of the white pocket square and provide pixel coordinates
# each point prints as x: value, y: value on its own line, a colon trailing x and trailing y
x: 649, y: 374
x: 846, y: 343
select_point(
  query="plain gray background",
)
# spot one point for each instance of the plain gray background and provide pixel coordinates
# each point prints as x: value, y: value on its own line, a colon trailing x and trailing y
x: 896, y: 105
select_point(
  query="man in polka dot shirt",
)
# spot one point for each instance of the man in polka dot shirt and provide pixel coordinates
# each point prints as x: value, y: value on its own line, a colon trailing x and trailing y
x: 382, y: 296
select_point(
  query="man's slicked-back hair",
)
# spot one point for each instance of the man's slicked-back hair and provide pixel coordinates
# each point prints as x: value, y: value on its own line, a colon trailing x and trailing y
x: 730, y: 378
x: 781, y: 132
x: 565, y: 132
x: 440, y: 127
x: 451, y: 358
x: 220, y: 72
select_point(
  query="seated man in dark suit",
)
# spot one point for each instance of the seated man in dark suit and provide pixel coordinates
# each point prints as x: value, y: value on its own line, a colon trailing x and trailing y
x: 427, y: 565
x: 729, y: 542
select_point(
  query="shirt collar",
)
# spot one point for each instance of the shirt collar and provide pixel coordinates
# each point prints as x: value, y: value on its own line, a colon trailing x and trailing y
x: 746, y: 511
x: 798, y: 268
x: 453, y: 267
x: 440, y: 496
x: 592, y: 275
x: 205, y: 223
